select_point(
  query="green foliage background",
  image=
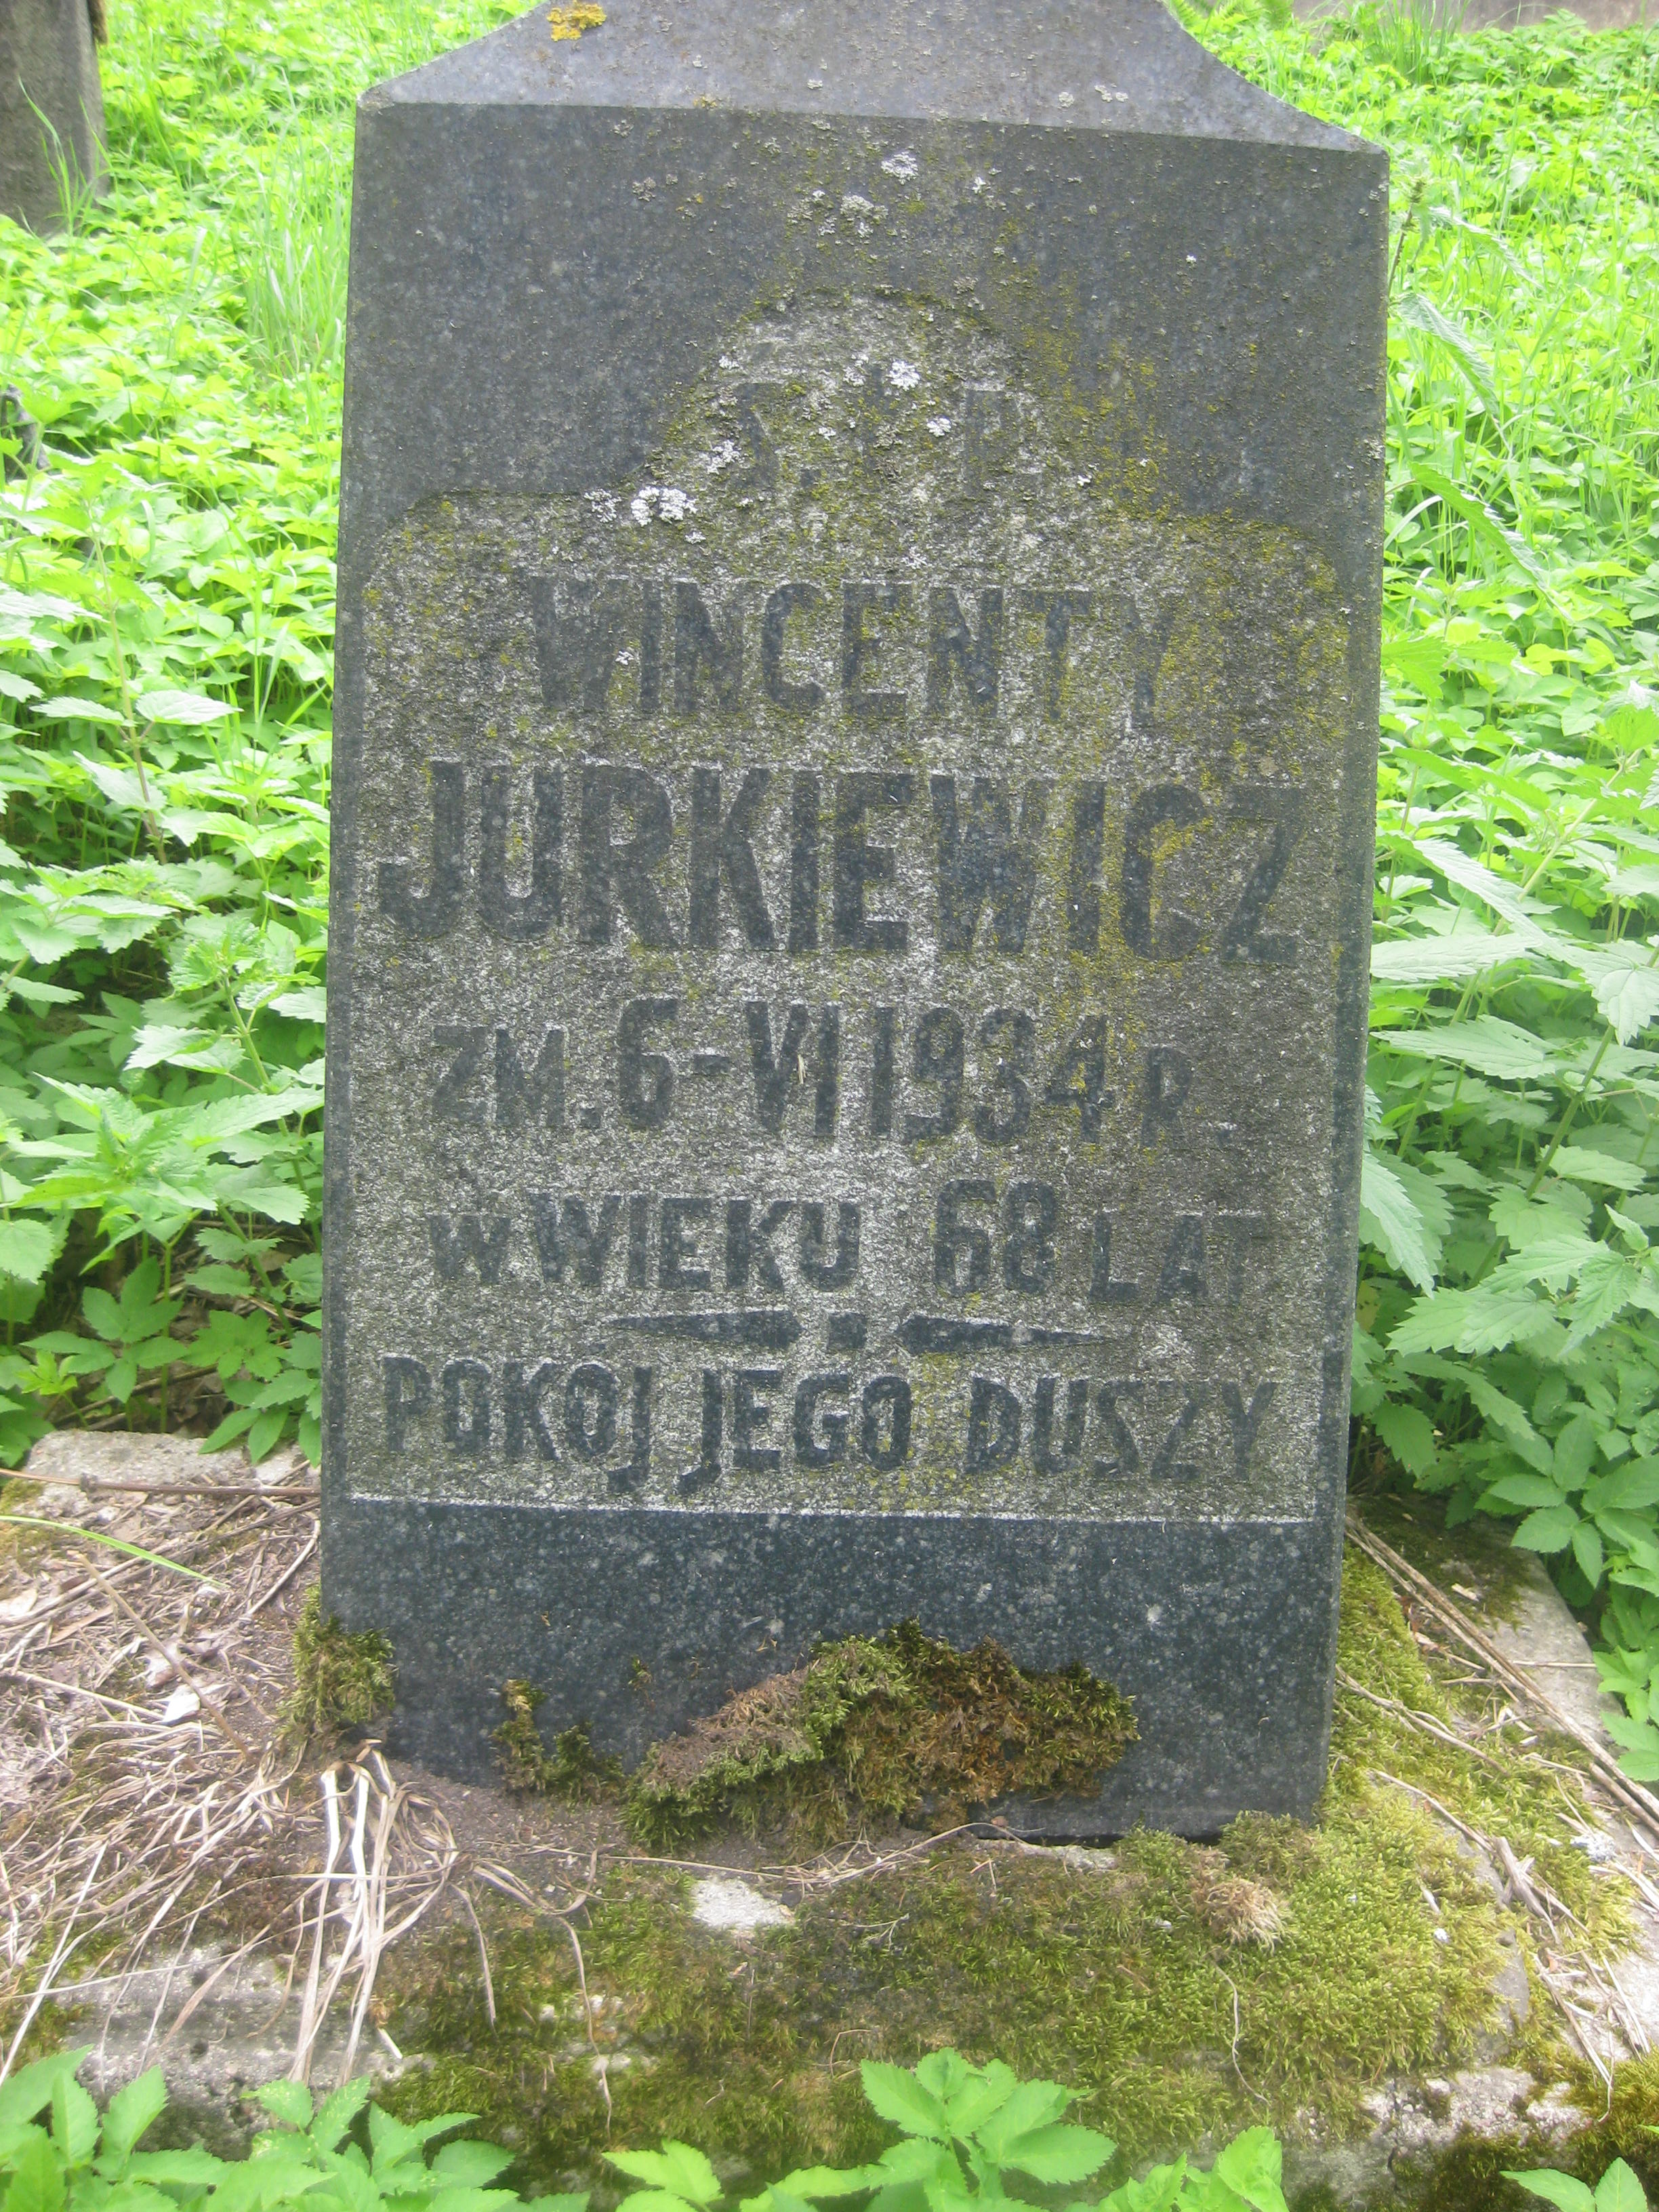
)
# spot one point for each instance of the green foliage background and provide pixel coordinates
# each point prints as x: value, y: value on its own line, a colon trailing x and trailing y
x: 165, y: 610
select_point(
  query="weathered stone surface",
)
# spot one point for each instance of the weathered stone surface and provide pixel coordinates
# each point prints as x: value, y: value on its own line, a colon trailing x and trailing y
x: 48, y: 85
x: 853, y: 765
x: 219, y: 2025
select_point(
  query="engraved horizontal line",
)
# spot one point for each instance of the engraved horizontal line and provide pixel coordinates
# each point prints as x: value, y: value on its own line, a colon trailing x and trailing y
x: 1082, y: 1340
x: 764, y: 1328
x: 921, y: 1332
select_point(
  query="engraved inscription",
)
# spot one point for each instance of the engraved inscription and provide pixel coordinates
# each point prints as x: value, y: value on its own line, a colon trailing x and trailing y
x: 840, y: 915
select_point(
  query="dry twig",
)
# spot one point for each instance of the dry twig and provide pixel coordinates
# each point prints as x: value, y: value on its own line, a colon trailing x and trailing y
x: 1517, y: 1679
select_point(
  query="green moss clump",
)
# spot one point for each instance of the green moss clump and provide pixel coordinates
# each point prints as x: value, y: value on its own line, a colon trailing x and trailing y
x: 886, y: 1725
x: 341, y: 1681
x: 574, y: 1769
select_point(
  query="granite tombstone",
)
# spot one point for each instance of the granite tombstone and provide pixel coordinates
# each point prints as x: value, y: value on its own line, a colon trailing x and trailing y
x: 51, y: 109
x: 854, y: 755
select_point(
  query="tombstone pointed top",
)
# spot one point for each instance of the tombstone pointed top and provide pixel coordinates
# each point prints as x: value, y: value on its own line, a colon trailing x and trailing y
x: 1086, y: 65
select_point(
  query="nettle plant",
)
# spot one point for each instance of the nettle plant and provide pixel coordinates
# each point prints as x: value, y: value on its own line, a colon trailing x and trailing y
x: 80, y: 2162
x: 1507, y: 1353
x: 965, y: 2133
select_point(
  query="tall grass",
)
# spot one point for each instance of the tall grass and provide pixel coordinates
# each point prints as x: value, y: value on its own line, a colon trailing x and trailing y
x: 297, y: 231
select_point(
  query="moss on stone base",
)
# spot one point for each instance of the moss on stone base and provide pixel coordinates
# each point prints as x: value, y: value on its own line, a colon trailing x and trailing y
x: 341, y: 1681
x: 885, y: 1726
x: 573, y: 1770
x: 1281, y: 1974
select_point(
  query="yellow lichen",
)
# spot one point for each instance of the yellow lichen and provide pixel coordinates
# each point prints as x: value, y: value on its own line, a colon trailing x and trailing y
x: 571, y: 22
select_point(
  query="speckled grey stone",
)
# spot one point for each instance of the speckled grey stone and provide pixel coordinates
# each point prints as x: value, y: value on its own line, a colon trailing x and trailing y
x: 49, y: 85
x: 854, y: 782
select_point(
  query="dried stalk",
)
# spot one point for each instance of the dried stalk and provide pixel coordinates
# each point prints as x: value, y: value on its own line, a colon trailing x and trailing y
x: 93, y: 1486
x: 1514, y: 1677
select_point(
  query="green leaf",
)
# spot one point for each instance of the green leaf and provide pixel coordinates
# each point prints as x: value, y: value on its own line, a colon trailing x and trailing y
x: 114, y: 1544
x: 1574, y: 1452
x: 1252, y: 2166
x: 1159, y: 2191
x: 1633, y: 1734
x: 1418, y: 311
x: 821, y: 2181
x: 393, y: 2141
x: 289, y: 2101
x: 42, y: 995
x: 127, y: 2195
x: 1587, y: 1550
x: 472, y: 2164
x: 28, y: 1248
x: 177, y: 2169
x: 37, y: 2178
x: 1628, y: 1488
x: 1478, y: 1321
x: 1550, y: 1530
x: 1557, y: 2189
x: 74, y: 2121
x: 30, y: 2089
x: 897, y: 2097
x: 451, y: 2197
x: 652, y: 2199
x: 1619, y: 2190
x: 1579, y: 1163
x: 1626, y: 982
x: 1390, y: 1220
x: 69, y: 708
x: 1528, y: 1490
x: 338, y: 2111
x: 900, y: 2197
x: 1408, y: 1433
x: 265, y: 1435
x: 1488, y: 1045
x: 189, y: 709
x: 1483, y: 521
x: 677, y: 2167
x: 129, y: 2112
x: 1057, y: 2155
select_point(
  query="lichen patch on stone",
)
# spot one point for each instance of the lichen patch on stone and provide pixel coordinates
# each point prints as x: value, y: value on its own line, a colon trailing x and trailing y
x: 571, y: 22
x: 735, y: 1907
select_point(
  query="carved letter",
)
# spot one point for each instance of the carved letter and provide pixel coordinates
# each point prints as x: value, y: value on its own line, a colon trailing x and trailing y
x: 985, y: 862
x: 993, y: 1415
x: 576, y: 655
x: 453, y: 1248
x: 518, y: 915
x: 433, y: 912
x: 952, y: 643
x: 613, y: 869
x: 779, y: 605
x: 698, y: 644
x: 1245, y: 1421
x: 408, y: 1385
x: 721, y: 846
x: 859, y: 863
